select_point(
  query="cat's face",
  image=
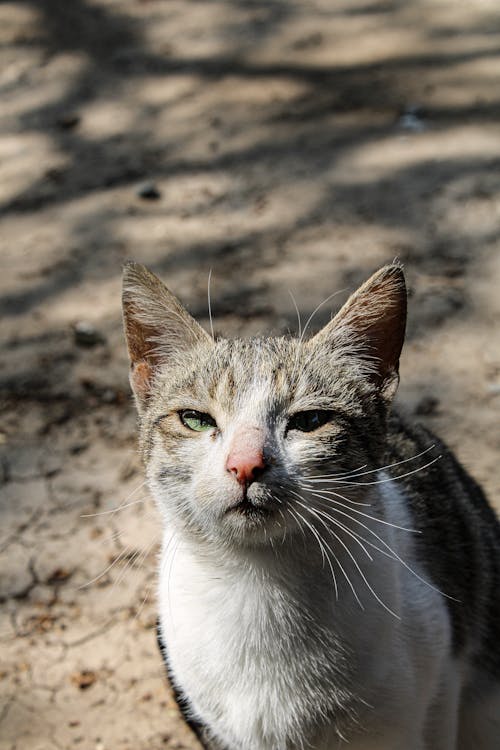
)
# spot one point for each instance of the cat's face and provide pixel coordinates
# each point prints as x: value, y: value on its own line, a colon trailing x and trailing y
x: 232, y: 431
x: 235, y: 432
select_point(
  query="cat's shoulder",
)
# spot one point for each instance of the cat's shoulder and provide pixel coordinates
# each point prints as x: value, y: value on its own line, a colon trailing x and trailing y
x: 458, y: 534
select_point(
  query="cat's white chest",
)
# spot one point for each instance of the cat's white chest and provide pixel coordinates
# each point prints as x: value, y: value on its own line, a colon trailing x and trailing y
x: 268, y: 667
x: 253, y: 667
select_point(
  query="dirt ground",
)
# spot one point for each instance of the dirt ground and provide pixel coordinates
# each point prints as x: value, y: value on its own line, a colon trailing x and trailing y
x: 284, y: 144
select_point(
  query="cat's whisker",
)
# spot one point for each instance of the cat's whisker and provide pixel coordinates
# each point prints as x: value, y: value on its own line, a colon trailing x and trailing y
x: 143, y: 603
x: 283, y: 538
x: 303, y: 331
x: 122, y: 505
x: 169, y: 577
x: 135, y: 558
x: 115, y: 560
x: 354, y: 473
x: 358, y: 568
x: 342, y: 474
x: 115, y: 510
x: 148, y: 589
x: 360, y: 512
x: 298, y: 313
x: 357, y: 536
x: 114, y: 537
x: 299, y: 517
x: 210, y: 305
x: 351, y: 585
x: 301, y: 528
x: 286, y: 490
x: 391, y: 550
x: 323, y: 514
x: 122, y: 554
x: 165, y: 558
x: 323, y: 551
x: 347, y: 483
x: 328, y: 490
x: 301, y: 522
x: 131, y: 559
x: 322, y: 544
x: 316, y: 309
x: 365, y: 579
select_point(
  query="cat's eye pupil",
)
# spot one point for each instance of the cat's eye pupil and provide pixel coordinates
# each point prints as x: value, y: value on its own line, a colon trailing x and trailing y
x: 197, y: 420
x: 307, y: 421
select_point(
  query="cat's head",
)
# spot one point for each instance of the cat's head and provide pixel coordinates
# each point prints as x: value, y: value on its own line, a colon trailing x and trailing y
x: 232, y: 431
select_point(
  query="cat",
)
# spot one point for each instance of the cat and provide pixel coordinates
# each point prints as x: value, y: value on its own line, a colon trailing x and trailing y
x: 329, y: 575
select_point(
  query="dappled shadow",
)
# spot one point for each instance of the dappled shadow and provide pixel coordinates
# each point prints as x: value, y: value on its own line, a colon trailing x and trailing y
x: 199, y: 109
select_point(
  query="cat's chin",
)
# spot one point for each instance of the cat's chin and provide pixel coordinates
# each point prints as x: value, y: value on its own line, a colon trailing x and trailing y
x: 246, y: 523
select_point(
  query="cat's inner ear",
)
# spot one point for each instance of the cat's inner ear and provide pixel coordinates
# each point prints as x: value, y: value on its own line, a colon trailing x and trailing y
x: 158, y: 328
x: 373, y: 321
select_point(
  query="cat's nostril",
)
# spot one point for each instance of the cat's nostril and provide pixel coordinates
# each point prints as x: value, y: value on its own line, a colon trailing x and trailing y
x: 246, y: 467
x: 258, y: 470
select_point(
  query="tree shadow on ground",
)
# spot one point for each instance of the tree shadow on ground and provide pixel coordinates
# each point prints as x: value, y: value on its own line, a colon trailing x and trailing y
x: 317, y: 117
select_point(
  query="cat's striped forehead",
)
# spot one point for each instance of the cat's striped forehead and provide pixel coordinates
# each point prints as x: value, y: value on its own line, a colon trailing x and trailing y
x: 263, y: 376
x: 230, y: 370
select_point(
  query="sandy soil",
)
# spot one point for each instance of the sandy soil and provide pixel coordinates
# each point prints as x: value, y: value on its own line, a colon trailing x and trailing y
x: 289, y: 146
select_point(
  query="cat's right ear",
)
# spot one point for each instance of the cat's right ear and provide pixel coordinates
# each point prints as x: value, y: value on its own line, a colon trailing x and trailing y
x: 158, y: 328
x: 371, y: 325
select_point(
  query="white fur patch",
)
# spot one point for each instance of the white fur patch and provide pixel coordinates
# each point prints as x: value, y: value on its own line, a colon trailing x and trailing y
x: 266, y: 660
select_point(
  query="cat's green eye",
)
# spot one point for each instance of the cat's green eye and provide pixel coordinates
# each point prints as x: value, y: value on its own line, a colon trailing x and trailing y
x: 197, y: 420
x: 307, y: 421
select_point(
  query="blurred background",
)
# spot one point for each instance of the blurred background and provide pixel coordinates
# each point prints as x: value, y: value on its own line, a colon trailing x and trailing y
x: 289, y: 146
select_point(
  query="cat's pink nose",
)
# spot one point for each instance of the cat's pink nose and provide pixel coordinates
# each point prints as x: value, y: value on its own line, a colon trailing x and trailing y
x: 247, y: 464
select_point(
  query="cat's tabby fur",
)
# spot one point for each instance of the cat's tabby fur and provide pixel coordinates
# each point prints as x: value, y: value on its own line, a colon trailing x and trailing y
x: 344, y: 592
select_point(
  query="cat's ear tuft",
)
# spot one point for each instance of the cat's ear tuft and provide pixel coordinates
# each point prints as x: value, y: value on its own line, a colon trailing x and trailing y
x: 157, y: 328
x: 373, y: 320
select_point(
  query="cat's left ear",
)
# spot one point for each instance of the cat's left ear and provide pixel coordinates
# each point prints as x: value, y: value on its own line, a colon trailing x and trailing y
x: 158, y: 329
x: 373, y: 322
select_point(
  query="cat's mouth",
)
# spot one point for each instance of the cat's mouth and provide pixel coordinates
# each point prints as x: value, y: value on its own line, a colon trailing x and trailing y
x: 247, y: 508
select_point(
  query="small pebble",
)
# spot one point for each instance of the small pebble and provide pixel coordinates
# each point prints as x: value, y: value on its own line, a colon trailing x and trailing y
x: 148, y: 191
x: 68, y: 121
x: 412, y: 119
x: 86, y: 335
x: 83, y: 679
x: 77, y: 448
